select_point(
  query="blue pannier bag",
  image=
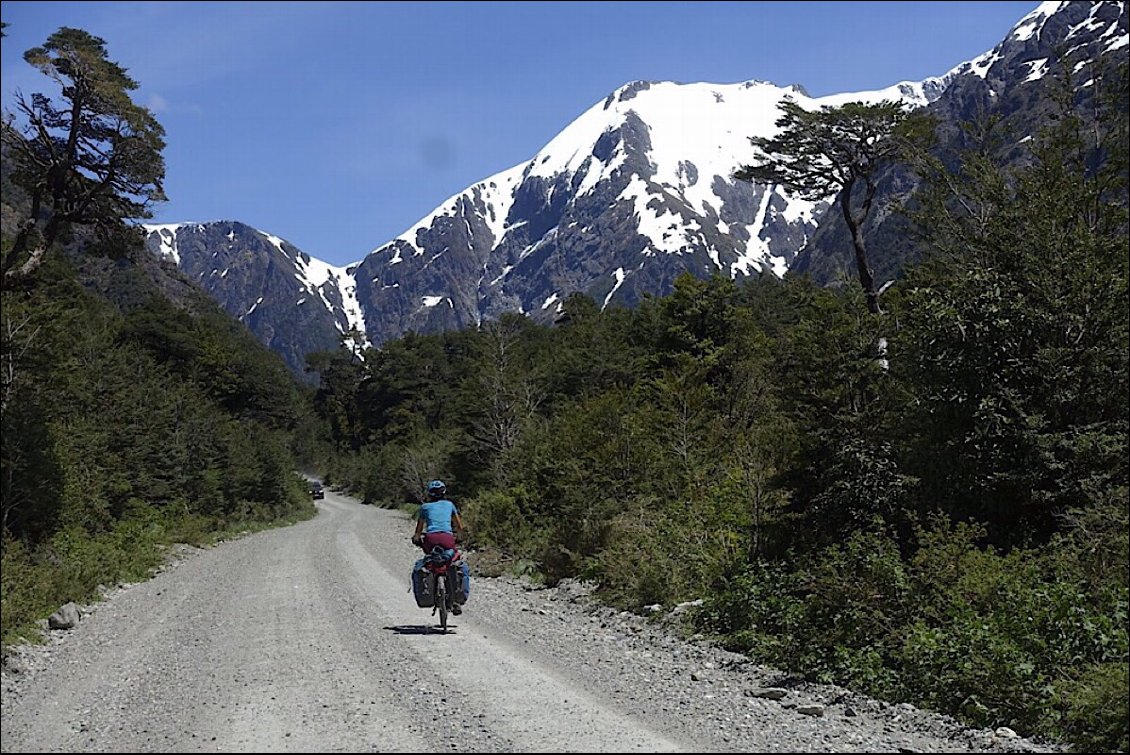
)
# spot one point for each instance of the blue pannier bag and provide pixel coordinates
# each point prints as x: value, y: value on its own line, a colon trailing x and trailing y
x: 462, y: 574
x: 460, y: 578
x: 421, y: 586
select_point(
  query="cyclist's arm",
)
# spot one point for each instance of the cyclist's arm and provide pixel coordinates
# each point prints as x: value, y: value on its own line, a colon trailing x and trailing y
x: 458, y: 520
x: 419, y: 528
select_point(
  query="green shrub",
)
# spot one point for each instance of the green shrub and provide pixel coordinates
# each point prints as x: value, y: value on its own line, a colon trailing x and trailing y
x: 655, y: 554
x: 757, y: 610
x: 999, y: 638
x: 1097, y: 708
x: 1022, y: 639
x: 23, y: 597
x: 495, y: 519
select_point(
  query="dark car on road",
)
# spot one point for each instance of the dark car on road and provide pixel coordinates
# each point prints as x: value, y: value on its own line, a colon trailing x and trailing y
x: 316, y: 490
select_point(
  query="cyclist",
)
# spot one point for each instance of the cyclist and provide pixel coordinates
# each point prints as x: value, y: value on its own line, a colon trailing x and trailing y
x: 434, y: 523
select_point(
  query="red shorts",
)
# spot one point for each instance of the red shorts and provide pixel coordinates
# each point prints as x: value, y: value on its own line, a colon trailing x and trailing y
x: 442, y: 539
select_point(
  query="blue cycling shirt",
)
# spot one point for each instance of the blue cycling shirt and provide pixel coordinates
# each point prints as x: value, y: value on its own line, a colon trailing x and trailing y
x: 437, y: 515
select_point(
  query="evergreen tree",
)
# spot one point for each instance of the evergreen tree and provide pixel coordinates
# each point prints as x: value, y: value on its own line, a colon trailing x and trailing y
x: 94, y: 160
x: 832, y: 151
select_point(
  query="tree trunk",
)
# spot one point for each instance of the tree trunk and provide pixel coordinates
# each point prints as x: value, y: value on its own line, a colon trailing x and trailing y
x: 855, y: 226
x: 12, y: 274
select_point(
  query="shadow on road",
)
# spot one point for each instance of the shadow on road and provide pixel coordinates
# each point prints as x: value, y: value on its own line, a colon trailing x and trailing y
x: 419, y: 629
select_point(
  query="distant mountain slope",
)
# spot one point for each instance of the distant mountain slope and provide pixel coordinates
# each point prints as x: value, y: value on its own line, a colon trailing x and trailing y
x: 631, y: 194
x: 295, y: 304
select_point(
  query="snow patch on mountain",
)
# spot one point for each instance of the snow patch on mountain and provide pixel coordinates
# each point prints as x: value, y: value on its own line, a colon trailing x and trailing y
x: 167, y: 240
x: 1033, y: 24
x: 619, y: 277
x: 314, y: 275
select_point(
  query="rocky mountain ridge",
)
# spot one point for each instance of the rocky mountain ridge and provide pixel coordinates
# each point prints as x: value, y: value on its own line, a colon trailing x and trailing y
x: 630, y: 195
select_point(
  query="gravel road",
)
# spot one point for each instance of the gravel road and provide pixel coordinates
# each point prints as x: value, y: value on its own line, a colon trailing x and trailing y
x: 307, y: 639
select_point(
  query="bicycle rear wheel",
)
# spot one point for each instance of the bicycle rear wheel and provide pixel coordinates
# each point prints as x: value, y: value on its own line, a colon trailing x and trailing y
x: 441, y: 599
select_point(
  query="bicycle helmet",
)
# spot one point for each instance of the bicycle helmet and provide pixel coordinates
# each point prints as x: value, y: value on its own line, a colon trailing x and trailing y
x: 436, y: 489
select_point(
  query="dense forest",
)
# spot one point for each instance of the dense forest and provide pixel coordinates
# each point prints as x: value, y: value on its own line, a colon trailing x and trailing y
x: 924, y: 500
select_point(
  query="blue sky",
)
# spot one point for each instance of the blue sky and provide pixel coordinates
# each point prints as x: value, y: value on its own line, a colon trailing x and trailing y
x: 338, y: 125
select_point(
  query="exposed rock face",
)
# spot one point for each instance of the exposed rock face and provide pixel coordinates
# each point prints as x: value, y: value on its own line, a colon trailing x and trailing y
x: 294, y: 303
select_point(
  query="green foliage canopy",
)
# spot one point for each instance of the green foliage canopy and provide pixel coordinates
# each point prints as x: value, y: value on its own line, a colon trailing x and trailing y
x: 93, y: 160
x: 826, y: 153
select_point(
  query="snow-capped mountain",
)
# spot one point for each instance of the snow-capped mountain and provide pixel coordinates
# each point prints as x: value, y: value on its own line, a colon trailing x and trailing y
x: 631, y: 194
x: 635, y: 191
